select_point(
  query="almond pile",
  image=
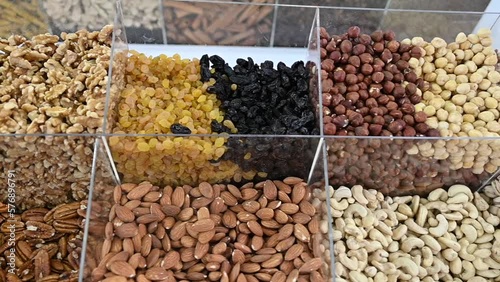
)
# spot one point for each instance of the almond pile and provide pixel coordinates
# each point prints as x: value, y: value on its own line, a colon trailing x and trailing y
x: 267, y: 231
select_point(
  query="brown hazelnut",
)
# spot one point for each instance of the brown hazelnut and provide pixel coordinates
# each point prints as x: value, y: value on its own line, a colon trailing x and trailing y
x: 368, y: 118
x: 411, y: 77
x: 421, y: 128
x: 361, y: 131
x: 422, y: 84
x: 399, y: 91
x: 377, y: 35
x: 398, y: 78
x: 365, y: 39
x: 386, y: 56
x: 366, y: 58
x: 375, y: 129
x: 404, y: 48
x: 387, y: 133
x: 377, y: 68
x: 340, y: 121
x: 323, y: 53
x: 369, y: 50
x: 375, y: 90
x: 323, y: 33
x: 391, y: 68
x: 378, y: 47
x: 362, y: 85
x: 327, y: 119
x: 408, y: 108
x: 395, y: 57
x: 339, y: 110
x: 351, y: 79
x: 344, y: 58
x: 410, y: 89
x: 377, y: 77
x: 371, y: 103
x: 331, y: 46
x: 352, y: 96
x: 402, y: 65
x: 420, y: 117
x: 363, y: 94
x: 359, y: 104
x: 327, y: 85
x: 355, y: 61
x: 388, y: 76
x: 376, y: 111
x: 395, y: 126
x: 391, y: 106
x: 346, y: 46
x: 433, y: 133
x: 367, y: 80
x: 337, y: 99
x: 347, y: 104
x: 406, y: 56
x: 324, y: 75
x: 397, y: 114
x: 416, y: 52
x: 326, y: 111
x: 327, y: 99
x: 385, y: 111
x: 353, y: 88
x: 388, y: 119
x: 409, y: 131
x: 378, y: 62
x: 350, y: 69
x: 389, y: 35
x: 334, y: 90
x: 355, y: 119
x: 363, y: 110
x: 358, y: 49
x: 409, y: 120
x: 393, y: 46
x: 415, y: 99
x: 330, y: 129
x: 353, y: 31
x: 339, y: 75
x: 342, y: 88
x: 327, y: 65
x: 335, y: 56
x: 323, y: 42
x: 366, y: 69
x: 388, y: 87
x: 378, y: 120
x: 360, y: 76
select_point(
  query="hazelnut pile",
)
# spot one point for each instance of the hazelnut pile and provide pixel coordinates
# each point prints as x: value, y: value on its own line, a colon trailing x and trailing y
x: 369, y: 87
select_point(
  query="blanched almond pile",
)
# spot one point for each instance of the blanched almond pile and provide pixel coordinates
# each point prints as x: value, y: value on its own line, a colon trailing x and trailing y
x: 267, y: 231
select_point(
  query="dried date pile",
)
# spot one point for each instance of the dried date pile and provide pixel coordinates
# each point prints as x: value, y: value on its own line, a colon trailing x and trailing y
x: 268, y: 231
x: 47, y: 243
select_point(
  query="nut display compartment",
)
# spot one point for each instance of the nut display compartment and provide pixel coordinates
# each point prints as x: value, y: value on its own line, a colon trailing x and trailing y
x: 239, y: 241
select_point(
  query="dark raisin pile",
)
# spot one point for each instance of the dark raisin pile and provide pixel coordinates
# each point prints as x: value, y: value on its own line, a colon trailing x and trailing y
x: 264, y: 100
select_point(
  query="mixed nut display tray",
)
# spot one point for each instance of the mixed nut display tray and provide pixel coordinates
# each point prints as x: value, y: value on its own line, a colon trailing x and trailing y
x: 351, y: 151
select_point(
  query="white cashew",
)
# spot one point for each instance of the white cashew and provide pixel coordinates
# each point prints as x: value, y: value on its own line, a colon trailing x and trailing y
x: 482, y: 253
x: 421, y: 217
x: 456, y: 266
x: 349, y: 263
x: 357, y: 194
x: 398, y: 233
x: 355, y: 209
x: 406, y: 210
x: 357, y: 276
x: 470, y: 232
x: 492, y: 274
x: 415, y: 227
x: 468, y: 270
x: 342, y: 205
x: 488, y: 228
x: 411, y: 243
x: 382, y: 227
x: 376, y: 235
x: 463, y: 250
x: 407, y: 265
x: 438, y: 194
x: 453, y: 216
x: 438, y: 205
x: 449, y: 254
x: 458, y: 199
x: 449, y: 243
x: 427, y: 256
x: 471, y: 210
x: 432, y: 243
x: 480, y: 203
x: 442, y: 227
x: 459, y: 188
x: 341, y: 193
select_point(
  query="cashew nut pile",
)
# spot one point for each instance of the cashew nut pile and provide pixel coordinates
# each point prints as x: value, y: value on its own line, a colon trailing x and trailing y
x: 450, y: 235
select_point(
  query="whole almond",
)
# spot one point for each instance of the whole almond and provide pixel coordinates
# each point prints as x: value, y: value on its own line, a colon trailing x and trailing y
x: 285, y: 244
x: 273, y: 262
x: 201, y: 250
x: 219, y: 248
x: 238, y: 256
x: 127, y: 230
x: 301, y: 218
x: 117, y: 194
x: 241, y: 278
x: 266, y: 251
x: 234, y: 190
x: 270, y: 190
x: 279, y: 277
x: 281, y: 217
x: 242, y: 247
x: 289, y: 208
x: 147, y: 218
x: 273, y: 224
x: 301, y: 233
x: 195, y: 276
x: 127, y: 187
x: 257, y: 243
x: 255, y: 227
x: 170, y: 260
x: 250, y: 267
x: 201, y: 202
x: 307, y: 208
x: 298, y: 192
x: 122, y: 268
x: 146, y: 245
x: 245, y: 216
x: 178, y: 197
x: 203, y: 225
x: 313, y: 226
x: 217, y: 206
x: 139, y: 191
x: 228, y: 198
x: 157, y: 273
x: 170, y: 210
x: 260, y: 258
x: 235, y: 271
x: 293, y: 276
x: 186, y: 214
x: 205, y: 237
x: 206, y: 189
x: 203, y: 213
x: 178, y: 231
x: 248, y: 194
x: 187, y: 254
x: 310, y: 265
x: 274, y: 204
x: 265, y: 213
x: 251, y: 206
x: 133, y: 261
x: 292, y: 180
x: 294, y: 252
x: 124, y: 213
x: 263, y: 276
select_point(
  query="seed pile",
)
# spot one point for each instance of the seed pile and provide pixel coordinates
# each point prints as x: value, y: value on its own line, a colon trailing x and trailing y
x: 47, y: 243
x: 368, y: 86
x: 450, y: 235
x: 166, y: 95
x: 49, y: 85
x: 462, y: 97
x: 267, y: 231
x: 264, y: 100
